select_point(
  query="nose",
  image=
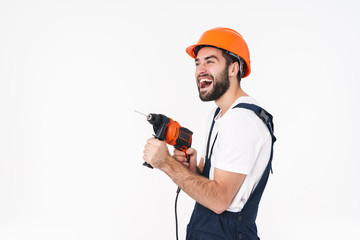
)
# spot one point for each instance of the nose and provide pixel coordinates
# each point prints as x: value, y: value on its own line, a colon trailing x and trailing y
x: 200, y: 69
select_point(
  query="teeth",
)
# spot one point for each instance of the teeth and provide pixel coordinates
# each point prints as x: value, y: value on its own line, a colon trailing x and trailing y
x: 205, y: 80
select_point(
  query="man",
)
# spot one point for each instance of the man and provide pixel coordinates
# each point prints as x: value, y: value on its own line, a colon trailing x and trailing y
x: 234, y: 167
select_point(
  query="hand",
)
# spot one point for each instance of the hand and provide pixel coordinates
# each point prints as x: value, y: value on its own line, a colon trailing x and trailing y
x: 156, y: 153
x: 180, y: 156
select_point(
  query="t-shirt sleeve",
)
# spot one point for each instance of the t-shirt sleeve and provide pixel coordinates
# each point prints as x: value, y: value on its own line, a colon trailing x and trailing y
x: 239, y: 141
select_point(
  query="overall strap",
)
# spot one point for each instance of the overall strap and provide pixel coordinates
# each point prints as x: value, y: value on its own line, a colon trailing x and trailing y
x: 207, y: 159
x: 210, y: 132
x: 262, y: 114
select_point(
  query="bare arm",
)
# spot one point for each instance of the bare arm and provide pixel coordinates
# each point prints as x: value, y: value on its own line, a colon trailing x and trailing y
x: 215, y: 194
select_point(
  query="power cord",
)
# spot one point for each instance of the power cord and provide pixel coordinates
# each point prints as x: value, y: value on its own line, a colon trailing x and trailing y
x: 176, y: 218
x: 177, y: 195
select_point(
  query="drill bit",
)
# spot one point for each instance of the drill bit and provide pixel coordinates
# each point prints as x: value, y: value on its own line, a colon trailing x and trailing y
x: 141, y: 113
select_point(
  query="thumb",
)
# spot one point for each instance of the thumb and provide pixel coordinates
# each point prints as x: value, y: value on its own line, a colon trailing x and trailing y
x: 190, y: 151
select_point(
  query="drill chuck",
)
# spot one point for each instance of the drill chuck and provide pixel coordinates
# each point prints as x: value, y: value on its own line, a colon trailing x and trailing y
x: 154, y: 119
x: 149, y: 117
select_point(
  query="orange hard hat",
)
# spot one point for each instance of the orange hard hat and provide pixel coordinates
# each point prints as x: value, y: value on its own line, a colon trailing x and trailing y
x: 227, y: 39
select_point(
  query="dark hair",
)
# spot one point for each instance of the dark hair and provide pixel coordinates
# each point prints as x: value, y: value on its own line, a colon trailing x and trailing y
x: 231, y: 59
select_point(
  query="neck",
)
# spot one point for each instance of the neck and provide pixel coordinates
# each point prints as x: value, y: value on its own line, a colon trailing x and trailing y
x: 226, y: 100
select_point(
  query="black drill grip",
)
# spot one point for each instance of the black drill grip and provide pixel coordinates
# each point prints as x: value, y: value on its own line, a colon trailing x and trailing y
x: 147, y: 165
x: 188, y: 159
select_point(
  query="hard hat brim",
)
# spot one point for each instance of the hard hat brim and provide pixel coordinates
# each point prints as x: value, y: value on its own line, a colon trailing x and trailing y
x: 191, y: 50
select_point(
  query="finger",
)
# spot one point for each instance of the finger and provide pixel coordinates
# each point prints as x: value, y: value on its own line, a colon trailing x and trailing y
x: 148, y: 148
x: 179, y: 153
x: 180, y: 159
x: 190, y: 151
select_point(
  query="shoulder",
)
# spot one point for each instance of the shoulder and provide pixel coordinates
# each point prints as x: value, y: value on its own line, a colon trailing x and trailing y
x: 245, y: 122
x: 240, y: 120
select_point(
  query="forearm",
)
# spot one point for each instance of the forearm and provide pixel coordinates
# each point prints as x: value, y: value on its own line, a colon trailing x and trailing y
x: 206, y: 192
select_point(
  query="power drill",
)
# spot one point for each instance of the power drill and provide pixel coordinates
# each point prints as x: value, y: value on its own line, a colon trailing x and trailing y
x: 171, y: 132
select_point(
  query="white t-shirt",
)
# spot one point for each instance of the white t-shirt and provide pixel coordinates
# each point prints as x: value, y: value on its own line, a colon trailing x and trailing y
x: 243, y: 146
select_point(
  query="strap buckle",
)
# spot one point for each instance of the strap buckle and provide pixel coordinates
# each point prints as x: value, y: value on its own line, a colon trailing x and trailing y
x: 263, y: 115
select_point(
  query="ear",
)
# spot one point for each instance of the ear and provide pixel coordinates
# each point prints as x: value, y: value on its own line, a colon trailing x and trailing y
x: 233, y: 69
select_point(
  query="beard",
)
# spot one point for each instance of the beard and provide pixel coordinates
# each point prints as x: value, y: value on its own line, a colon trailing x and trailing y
x: 221, y: 84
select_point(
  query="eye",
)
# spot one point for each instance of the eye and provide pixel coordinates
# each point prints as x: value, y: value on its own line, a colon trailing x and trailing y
x: 209, y: 61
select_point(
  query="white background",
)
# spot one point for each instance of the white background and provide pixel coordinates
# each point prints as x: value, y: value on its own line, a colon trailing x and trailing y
x: 72, y: 73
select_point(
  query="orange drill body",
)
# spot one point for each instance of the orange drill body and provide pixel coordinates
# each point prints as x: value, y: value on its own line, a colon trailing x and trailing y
x: 176, y: 136
x: 171, y: 132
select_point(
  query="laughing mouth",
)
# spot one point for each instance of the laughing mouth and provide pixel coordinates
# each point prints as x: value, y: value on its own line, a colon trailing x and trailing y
x: 205, y: 83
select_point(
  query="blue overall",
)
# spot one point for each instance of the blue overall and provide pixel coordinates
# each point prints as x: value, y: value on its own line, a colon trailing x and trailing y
x: 206, y: 224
